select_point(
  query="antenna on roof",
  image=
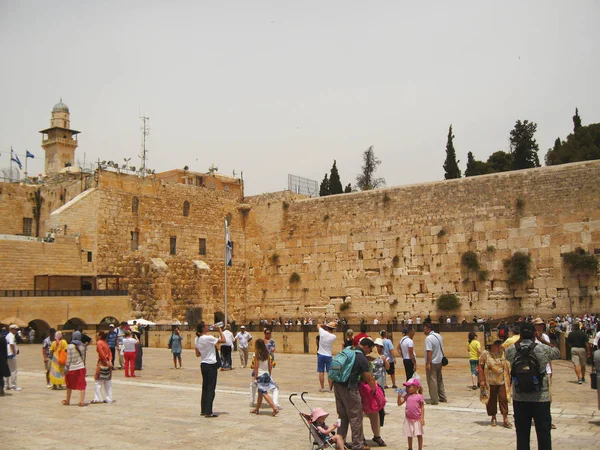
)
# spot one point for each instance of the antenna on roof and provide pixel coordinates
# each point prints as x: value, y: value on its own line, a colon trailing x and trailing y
x: 145, y: 132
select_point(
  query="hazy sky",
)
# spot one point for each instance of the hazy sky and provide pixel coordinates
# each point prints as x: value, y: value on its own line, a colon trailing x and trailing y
x: 277, y: 87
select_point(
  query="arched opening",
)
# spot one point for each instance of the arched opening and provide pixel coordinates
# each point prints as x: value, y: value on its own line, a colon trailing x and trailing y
x: 86, y: 286
x: 219, y: 317
x: 41, y: 328
x: 73, y: 323
x: 135, y: 203
x: 108, y: 320
x: 186, y: 208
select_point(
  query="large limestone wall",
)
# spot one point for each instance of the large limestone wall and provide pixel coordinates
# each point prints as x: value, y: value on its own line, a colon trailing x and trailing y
x: 392, y: 252
x: 20, y: 261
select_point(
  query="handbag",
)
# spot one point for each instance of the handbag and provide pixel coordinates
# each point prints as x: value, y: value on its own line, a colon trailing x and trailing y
x: 444, y: 359
x: 62, y: 357
x: 105, y: 373
x: 371, y: 402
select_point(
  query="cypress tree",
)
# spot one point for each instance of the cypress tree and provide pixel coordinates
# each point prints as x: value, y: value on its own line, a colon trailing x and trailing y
x: 576, y: 121
x: 451, y: 164
x: 523, y: 146
x: 324, y: 188
x: 335, y: 185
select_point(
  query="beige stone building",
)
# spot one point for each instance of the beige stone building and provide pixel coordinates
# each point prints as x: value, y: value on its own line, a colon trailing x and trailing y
x: 385, y: 253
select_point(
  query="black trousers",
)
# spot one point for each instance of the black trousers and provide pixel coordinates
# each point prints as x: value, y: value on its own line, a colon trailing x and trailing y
x: 409, y: 367
x: 112, y: 352
x: 226, y: 356
x: 523, y: 413
x: 209, y: 384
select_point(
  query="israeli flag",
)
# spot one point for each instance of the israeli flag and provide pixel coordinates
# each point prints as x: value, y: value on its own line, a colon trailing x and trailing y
x: 29, y: 154
x: 228, y: 255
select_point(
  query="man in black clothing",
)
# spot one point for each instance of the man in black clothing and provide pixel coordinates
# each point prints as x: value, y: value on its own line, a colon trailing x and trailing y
x: 580, y: 351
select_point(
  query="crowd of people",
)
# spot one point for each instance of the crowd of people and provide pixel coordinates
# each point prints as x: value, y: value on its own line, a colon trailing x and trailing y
x: 502, y: 371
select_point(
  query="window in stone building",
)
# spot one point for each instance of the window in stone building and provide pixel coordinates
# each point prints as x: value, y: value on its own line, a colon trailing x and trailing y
x: 135, y: 240
x: 173, y: 245
x: 186, y: 208
x: 134, y: 205
x: 202, y: 242
x: 27, y: 226
x: 89, y: 256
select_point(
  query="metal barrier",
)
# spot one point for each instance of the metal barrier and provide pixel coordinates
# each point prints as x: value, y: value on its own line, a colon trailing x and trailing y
x: 61, y: 293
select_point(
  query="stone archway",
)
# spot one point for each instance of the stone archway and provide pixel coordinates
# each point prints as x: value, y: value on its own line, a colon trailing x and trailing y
x: 73, y: 323
x: 42, y: 329
x: 110, y: 319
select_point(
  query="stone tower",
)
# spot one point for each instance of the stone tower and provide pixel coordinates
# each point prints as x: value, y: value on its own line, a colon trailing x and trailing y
x: 59, y: 141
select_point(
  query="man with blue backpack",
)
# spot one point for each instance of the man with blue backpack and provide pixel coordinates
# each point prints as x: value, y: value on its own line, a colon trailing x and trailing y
x: 348, y: 368
x: 530, y: 392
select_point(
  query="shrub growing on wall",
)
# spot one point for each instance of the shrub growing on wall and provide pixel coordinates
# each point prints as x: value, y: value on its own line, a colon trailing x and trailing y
x: 518, y: 268
x: 295, y: 278
x: 580, y: 260
x: 448, y: 302
x: 470, y: 261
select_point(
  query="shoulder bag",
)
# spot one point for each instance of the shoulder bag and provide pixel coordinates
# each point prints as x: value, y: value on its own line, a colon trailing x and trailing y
x: 444, y: 359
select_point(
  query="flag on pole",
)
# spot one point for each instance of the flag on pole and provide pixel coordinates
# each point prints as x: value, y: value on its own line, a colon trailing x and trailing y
x: 29, y: 155
x: 15, y: 158
x: 228, y: 256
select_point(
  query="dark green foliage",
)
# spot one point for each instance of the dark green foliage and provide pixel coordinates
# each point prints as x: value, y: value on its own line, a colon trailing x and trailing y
x: 396, y: 261
x: 386, y: 199
x: 348, y: 188
x: 491, y: 249
x: 324, y: 188
x: 500, y: 161
x: 523, y: 146
x: 335, y: 185
x: 325, y: 217
x: 576, y: 121
x: 470, y: 261
x: 475, y: 167
x: 448, y: 302
x: 451, y: 169
x: 295, y: 278
x: 286, y: 205
x: 366, y: 179
x: 344, y: 306
x: 580, y: 260
x: 441, y: 233
x: 483, y: 275
x: 584, y: 145
x: 275, y: 258
x: 520, y: 204
x: 517, y: 267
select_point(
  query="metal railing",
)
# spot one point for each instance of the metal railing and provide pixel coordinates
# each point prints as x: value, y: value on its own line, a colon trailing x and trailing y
x: 61, y: 293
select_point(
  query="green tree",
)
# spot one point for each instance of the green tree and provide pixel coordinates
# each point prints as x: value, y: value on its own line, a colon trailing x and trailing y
x: 475, y: 167
x: 499, y: 161
x: 523, y: 146
x: 451, y: 164
x: 335, y: 185
x: 348, y: 188
x: 576, y: 121
x: 324, y: 188
x: 365, y: 180
x: 584, y: 145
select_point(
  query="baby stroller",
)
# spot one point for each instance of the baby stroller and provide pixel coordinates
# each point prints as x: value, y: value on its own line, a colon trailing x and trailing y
x: 315, y: 440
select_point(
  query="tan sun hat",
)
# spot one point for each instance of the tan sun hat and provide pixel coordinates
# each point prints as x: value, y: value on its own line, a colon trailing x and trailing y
x: 538, y: 321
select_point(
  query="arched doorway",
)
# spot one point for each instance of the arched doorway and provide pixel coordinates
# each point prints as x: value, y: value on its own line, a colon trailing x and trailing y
x: 41, y: 328
x: 73, y: 323
x: 219, y: 317
x: 108, y: 320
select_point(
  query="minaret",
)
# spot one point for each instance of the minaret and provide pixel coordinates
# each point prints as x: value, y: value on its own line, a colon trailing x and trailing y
x: 59, y: 141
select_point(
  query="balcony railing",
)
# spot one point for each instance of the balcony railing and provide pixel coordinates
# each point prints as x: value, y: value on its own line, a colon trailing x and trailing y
x: 61, y: 293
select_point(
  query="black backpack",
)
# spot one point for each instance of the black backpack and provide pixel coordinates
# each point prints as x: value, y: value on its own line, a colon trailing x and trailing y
x: 525, y: 370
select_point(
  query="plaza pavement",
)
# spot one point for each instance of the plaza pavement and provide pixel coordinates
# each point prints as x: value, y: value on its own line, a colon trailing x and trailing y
x: 161, y: 409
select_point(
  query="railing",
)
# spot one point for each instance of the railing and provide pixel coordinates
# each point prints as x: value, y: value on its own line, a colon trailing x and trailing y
x: 61, y: 293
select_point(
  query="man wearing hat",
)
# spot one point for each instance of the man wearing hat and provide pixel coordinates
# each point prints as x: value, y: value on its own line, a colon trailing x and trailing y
x: 243, y: 338
x: 348, y: 402
x: 111, y: 340
x: 12, y: 352
x: 534, y: 405
x: 325, y: 352
x: 580, y: 350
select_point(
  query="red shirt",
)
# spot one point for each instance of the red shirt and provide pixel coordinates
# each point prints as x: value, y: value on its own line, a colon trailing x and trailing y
x: 358, y: 337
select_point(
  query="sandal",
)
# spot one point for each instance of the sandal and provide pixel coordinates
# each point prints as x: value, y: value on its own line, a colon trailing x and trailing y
x: 379, y: 441
x: 95, y: 402
x: 64, y: 402
x: 494, y: 422
x: 507, y: 424
x: 275, y: 412
x: 81, y: 404
x: 254, y: 411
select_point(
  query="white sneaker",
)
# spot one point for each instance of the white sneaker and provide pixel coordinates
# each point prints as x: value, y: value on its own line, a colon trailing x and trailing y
x: 279, y: 408
x: 17, y: 389
x: 49, y: 385
x: 251, y: 405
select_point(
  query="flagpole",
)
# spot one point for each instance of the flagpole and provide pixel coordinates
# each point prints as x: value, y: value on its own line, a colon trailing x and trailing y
x: 26, y: 151
x: 11, y: 157
x: 225, y: 265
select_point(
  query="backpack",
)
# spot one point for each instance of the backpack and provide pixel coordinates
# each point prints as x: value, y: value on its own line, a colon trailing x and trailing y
x: 341, y: 365
x: 502, y: 333
x: 525, y: 370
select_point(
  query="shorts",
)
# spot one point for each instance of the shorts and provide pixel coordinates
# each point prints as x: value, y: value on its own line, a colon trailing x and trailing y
x: 412, y: 428
x: 323, y: 363
x: 473, y: 363
x: 579, y: 356
x: 48, y: 364
x: 392, y: 369
x: 177, y: 354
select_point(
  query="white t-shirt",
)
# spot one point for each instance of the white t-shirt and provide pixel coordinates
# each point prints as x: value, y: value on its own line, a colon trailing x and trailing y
x: 129, y: 345
x: 228, y: 338
x: 10, y: 339
x: 433, y: 343
x: 419, y: 320
x: 206, y: 346
x: 547, y: 339
x: 597, y: 338
x: 326, y: 340
x: 405, y: 344
x: 243, y: 338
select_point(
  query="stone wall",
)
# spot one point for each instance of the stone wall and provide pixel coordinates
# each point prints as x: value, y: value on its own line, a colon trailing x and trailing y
x: 392, y: 252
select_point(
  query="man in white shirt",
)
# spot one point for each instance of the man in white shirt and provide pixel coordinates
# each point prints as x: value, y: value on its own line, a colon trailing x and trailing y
x: 324, y: 353
x: 226, y: 348
x: 12, y: 352
x: 434, y: 352
x: 406, y: 348
x: 243, y: 338
x: 596, y: 340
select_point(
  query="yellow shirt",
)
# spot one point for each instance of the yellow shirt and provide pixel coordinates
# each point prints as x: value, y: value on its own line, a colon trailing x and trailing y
x: 510, y: 341
x: 474, y: 346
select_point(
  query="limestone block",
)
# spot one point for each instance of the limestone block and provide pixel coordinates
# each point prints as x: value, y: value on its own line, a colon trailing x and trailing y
x: 528, y: 222
x: 573, y: 227
x: 479, y: 226
x: 586, y: 237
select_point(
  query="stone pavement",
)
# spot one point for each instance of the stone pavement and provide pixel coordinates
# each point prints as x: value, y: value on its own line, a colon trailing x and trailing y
x: 161, y: 408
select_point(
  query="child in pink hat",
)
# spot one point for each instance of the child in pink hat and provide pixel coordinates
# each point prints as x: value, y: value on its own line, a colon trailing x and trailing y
x: 317, y: 418
x: 415, y: 411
